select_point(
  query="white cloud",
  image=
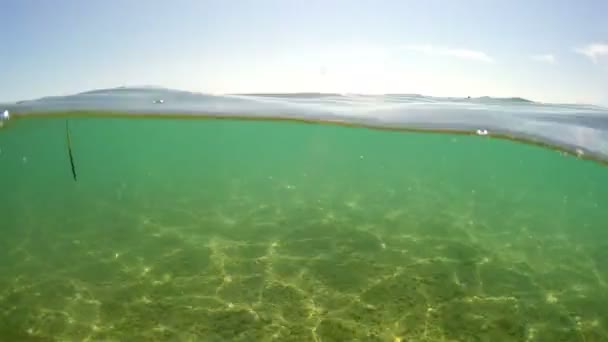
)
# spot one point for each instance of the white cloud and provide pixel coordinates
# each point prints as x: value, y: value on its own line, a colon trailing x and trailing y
x: 458, y: 53
x: 548, y: 58
x: 594, y: 51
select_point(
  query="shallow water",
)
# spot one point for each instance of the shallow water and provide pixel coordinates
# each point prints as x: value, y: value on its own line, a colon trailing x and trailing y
x: 216, y: 230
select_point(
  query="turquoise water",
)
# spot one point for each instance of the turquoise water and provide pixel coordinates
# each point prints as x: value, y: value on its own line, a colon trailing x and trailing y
x: 216, y: 230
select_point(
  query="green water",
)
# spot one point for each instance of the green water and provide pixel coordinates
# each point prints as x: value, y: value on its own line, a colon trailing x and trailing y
x: 212, y: 230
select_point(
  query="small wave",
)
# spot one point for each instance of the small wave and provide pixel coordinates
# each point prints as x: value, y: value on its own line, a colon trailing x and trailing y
x: 566, y: 126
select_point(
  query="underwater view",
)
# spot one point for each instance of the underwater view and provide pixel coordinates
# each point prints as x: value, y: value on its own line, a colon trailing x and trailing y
x: 157, y: 215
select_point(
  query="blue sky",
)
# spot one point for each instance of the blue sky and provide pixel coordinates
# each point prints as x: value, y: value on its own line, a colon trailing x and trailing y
x: 545, y: 50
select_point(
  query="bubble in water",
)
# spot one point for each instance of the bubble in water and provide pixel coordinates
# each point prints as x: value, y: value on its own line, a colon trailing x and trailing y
x: 579, y: 152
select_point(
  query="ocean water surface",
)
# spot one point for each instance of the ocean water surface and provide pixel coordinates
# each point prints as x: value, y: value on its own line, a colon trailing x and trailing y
x: 147, y: 214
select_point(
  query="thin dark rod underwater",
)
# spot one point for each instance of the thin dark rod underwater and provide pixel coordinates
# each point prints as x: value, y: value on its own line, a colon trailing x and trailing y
x: 69, y: 141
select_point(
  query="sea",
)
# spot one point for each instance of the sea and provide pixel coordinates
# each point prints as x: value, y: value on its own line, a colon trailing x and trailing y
x: 151, y: 214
